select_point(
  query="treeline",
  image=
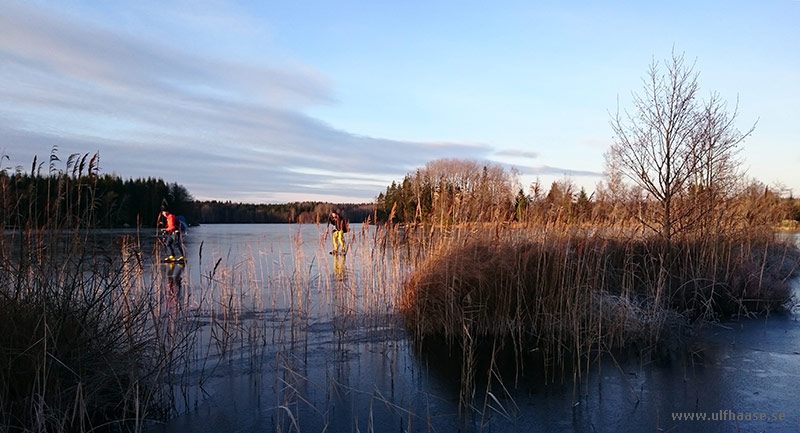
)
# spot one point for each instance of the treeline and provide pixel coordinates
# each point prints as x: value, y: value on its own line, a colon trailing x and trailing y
x: 443, y: 192
x: 209, y: 212
x: 77, y: 195
x: 110, y: 201
x: 99, y: 201
x: 449, y: 191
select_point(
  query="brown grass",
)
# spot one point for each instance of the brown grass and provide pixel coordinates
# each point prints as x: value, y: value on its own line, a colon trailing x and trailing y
x: 78, y: 350
x: 566, y: 294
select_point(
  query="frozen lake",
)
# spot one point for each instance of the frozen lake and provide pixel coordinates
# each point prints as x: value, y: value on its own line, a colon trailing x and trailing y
x: 331, y: 354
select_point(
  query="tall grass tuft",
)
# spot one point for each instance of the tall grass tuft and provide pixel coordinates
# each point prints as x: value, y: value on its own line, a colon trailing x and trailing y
x: 79, y: 347
x: 567, y: 294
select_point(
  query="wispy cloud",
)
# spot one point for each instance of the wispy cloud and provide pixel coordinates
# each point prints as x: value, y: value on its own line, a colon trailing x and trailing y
x: 558, y: 171
x: 516, y: 153
x: 225, y: 130
x: 121, y: 65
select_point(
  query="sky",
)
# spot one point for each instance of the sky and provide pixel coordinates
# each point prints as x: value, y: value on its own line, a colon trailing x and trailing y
x: 273, y: 102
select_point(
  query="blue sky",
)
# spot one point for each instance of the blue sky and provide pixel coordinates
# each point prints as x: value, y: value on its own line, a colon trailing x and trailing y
x: 306, y: 100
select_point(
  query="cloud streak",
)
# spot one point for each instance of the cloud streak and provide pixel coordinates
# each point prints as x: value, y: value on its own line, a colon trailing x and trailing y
x: 122, y: 65
x: 224, y: 130
x: 558, y: 171
x: 516, y: 153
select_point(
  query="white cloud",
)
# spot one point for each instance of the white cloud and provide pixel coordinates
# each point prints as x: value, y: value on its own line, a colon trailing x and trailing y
x: 225, y: 130
x: 517, y: 153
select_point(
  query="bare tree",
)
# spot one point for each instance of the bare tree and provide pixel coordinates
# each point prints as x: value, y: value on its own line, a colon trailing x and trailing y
x: 672, y: 143
x: 468, y: 190
x: 717, y: 175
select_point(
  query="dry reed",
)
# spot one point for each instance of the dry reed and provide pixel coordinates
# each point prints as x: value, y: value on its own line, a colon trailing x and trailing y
x: 566, y: 295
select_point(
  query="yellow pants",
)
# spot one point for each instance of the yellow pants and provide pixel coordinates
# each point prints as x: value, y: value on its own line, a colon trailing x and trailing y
x: 338, y: 240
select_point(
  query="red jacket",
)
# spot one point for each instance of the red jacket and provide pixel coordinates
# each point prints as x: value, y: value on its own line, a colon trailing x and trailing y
x: 172, y: 222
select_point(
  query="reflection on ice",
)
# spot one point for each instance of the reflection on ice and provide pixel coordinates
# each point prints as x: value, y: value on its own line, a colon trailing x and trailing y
x: 294, y: 339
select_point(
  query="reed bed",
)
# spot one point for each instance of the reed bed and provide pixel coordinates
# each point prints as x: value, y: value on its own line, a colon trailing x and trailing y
x: 561, y: 296
x: 79, y: 349
x: 98, y: 335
